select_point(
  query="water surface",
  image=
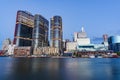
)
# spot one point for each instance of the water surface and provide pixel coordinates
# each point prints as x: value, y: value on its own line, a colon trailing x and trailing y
x: 59, y: 69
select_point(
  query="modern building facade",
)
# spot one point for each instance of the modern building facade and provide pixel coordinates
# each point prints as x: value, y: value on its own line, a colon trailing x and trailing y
x: 82, y: 43
x: 40, y: 31
x: 56, y: 33
x: 23, y: 29
x: 82, y: 38
x: 114, y: 43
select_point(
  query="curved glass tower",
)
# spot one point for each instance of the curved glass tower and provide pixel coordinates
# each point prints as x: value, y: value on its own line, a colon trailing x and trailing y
x: 56, y: 33
x: 114, y: 43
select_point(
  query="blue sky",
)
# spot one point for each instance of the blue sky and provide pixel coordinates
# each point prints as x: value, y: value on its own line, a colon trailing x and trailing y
x: 97, y: 16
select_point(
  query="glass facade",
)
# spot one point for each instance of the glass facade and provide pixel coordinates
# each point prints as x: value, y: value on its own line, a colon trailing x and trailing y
x: 23, y: 29
x: 23, y: 42
x: 114, y: 43
x: 56, y: 34
x: 86, y: 46
x: 40, y: 31
x: 114, y: 39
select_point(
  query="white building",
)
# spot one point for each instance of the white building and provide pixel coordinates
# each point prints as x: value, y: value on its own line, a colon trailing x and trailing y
x: 80, y: 38
x: 11, y: 48
x: 6, y: 43
x: 82, y: 43
x: 71, y: 46
x: 75, y: 36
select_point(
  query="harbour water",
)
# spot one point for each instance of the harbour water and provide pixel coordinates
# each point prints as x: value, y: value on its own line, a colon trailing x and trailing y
x: 59, y: 68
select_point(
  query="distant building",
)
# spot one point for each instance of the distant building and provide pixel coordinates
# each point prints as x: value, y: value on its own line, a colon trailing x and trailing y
x: 65, y: 42
x: 23, y: 29
x: 75, y: 36
x: 40, y: 31
x: 46, y: 51
x: 81, y: 37
x: 71, y: 46
x: 82, y: 33
x: 82, y: 43
x: 11, y: 48
x: 105, y: 42
x: 8, y: 47
x: 6, y: 43
x: 56, y: 33
x: 114, y: 43
x: 105, y: 37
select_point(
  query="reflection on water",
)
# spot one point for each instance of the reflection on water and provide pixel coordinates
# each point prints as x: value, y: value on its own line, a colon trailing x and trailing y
x: 59, y: 69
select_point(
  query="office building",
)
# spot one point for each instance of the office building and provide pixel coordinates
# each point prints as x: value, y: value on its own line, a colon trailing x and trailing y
x: 114, y: 43
x: 40, y: 31
x: 56, y: 33
x: 23, y: 28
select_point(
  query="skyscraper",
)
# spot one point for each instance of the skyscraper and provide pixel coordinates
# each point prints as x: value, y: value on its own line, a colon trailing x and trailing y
x: 56, y: 33
x: 23, y: 29
x: 40, y: 31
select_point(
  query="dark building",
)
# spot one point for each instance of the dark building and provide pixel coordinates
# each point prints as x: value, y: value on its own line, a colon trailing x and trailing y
x: 23, y: 29
x: 56, y: 33
x: 40, y: 31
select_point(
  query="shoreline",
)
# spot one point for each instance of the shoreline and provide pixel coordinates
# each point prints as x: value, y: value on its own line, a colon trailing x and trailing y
x: 55, y: 57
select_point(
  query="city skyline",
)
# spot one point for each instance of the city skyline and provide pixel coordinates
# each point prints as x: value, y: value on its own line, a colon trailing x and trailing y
x: 94, y: 15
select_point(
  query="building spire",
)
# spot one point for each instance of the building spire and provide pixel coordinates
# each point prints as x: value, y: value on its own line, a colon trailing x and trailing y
x: 82, y: 29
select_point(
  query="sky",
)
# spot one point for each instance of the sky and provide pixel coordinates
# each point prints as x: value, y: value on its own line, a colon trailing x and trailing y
x: 97, y: 16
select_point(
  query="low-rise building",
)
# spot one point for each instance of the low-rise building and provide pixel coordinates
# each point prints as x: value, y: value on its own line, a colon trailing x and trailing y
x: 11, y: 48
x: 71, y: 46
x: 22, y: 51
x: 46, y: 50
x: 82, y: 43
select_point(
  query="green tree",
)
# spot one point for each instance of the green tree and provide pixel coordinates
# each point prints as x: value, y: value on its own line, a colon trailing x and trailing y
x: 118, y: 53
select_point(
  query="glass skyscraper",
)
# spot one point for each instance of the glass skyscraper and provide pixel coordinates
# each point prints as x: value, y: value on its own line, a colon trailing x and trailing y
x: 56, y: 33
x: 40, y: 31
x: 23, y: 29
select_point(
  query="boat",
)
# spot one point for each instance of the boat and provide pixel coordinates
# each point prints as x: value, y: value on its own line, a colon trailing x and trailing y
x: 91, y: 56
x: 99, y: 57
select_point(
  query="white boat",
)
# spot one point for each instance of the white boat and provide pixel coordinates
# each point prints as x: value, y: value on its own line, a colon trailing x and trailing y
x: 99, y: 57
x: 91, y: 56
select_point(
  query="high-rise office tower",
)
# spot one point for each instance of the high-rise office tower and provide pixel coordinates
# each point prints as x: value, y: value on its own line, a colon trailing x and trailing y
x: 40, y: 31
x: 23, y: 29
x: 56, y: 33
